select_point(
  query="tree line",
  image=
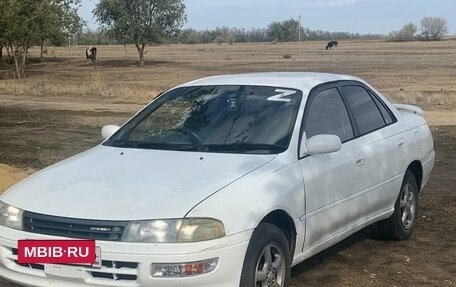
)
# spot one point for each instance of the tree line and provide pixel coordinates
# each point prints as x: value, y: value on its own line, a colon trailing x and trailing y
x: 285, y: 31
x: 430, y: 28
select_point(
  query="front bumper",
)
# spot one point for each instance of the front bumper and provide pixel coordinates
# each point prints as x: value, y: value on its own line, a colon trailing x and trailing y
x: 128, y: 264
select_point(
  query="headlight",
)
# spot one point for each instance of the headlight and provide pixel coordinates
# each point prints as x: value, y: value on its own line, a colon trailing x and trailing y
x: 10, y: 216
x: 173, y: 230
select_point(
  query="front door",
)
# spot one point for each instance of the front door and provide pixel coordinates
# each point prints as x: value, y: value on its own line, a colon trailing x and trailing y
x: 332, y: 181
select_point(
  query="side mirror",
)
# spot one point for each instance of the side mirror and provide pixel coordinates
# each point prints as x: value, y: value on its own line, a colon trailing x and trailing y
x: 108, y: 131
x: 322, y: 144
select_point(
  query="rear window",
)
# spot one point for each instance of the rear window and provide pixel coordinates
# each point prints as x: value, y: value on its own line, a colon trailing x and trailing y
x: 385, y: 113
x: 366, y: 113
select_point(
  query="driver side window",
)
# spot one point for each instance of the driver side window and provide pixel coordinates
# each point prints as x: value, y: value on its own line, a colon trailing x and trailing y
x: 167, y: 117
x: 326, y: 114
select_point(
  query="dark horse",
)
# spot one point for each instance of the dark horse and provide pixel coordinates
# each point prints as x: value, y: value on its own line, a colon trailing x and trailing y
x: 91, y: 55
x: 331, y: 45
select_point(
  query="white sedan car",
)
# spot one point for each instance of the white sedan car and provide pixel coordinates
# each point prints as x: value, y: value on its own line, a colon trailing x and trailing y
x: 226, y: 181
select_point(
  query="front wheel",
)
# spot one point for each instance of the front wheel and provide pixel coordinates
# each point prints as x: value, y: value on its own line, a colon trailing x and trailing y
x: 267, y: 262
x: 401, y: 224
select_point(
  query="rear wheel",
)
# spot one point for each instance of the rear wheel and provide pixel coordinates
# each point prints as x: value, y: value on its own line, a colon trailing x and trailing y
x: 267, y: 262
x: 401, y: 224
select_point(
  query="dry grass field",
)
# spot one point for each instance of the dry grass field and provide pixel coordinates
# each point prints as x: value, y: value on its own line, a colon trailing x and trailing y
x: 60, y: 108
x: 416, y: 71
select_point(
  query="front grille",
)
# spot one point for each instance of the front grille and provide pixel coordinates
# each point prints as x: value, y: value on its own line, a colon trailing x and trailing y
x: 114, y: 276
x: 73, y: 228
x: 11, y: 255
x: 112, y: 270
x: 117, y: 270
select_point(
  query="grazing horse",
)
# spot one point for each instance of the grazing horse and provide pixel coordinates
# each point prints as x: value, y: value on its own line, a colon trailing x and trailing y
x: 331, y: 45
x: 91, y: 55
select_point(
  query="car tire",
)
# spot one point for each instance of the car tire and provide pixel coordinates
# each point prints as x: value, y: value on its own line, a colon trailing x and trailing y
x: 267, y: 261
x: 401, y: 224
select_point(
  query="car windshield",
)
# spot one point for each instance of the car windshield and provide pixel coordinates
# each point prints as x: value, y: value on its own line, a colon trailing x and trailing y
x: 223, y: 119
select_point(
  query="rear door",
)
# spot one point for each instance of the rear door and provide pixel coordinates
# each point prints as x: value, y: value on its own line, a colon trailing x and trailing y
x: 379, y: 144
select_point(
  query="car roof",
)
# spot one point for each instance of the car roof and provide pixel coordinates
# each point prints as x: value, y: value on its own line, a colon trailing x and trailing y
x: 303, y: 81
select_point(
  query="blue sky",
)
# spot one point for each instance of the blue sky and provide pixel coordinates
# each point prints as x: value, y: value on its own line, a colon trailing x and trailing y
x: 363, y: 16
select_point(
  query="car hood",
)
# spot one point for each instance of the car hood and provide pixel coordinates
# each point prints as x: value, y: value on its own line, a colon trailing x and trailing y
x: 109, y: 183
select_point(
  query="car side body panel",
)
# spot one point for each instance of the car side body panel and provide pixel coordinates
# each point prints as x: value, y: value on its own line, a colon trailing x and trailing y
x: 333, y: 189
x: 386, y: 154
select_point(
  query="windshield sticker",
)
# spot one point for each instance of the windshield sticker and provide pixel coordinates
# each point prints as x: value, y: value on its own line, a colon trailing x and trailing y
x: 232, y: 104
x: 281, y: 96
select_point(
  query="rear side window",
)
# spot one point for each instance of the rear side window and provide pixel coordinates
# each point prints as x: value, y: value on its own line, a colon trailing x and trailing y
x: 366, y: 113
x: 327, y: 114
x: 385, y: 113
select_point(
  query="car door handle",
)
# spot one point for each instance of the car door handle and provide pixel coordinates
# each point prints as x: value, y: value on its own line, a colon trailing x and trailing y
x: 359, y: 162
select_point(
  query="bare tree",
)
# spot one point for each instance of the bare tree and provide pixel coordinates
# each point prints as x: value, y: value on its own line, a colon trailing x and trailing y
x: 407, y: 33
x: 434, y: 28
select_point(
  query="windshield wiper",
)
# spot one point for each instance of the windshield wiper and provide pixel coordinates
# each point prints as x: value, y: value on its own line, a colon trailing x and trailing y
x: 230, y: 147
x: 161, y: 146
x: 245, y: 147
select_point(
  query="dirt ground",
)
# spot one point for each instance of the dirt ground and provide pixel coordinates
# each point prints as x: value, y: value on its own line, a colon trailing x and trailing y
x: 10, y: 175
x: 59, y: 111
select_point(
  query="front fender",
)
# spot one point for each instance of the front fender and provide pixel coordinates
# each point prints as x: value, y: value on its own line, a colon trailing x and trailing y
x: 242, y: 205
